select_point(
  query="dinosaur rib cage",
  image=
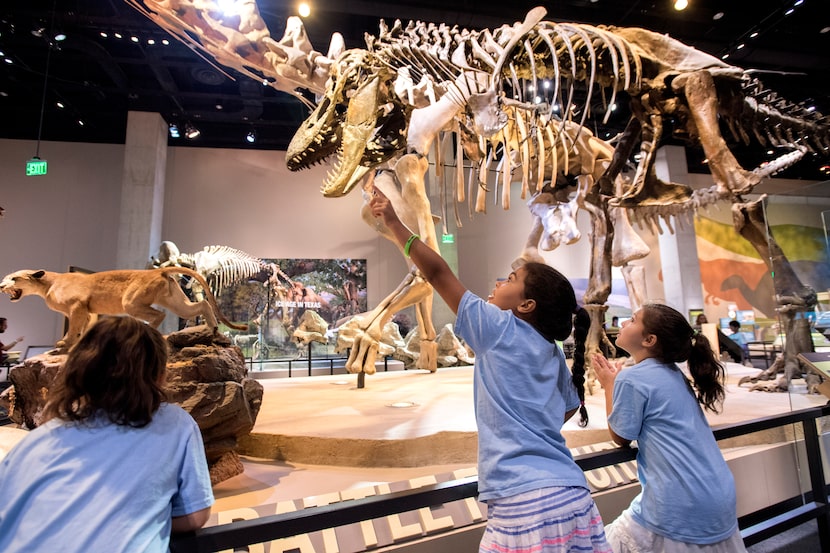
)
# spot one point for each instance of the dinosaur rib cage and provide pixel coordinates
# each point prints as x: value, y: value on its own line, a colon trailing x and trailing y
x: 566, y: 55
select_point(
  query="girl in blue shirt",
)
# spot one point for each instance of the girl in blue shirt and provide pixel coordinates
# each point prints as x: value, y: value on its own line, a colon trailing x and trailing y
x: 114, y: 468
x: 537, y: 496
x: 687, y: 503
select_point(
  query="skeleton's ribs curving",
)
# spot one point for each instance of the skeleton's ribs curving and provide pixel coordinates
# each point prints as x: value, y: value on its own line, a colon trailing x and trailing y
x: 472, y: 83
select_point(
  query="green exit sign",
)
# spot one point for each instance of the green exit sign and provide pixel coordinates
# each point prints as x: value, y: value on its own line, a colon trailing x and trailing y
x: 35, y: 166
x: 448, y: 239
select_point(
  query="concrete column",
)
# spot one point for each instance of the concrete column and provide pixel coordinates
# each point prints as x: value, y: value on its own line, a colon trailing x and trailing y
x: 142, y: 189
x: 682, y: 284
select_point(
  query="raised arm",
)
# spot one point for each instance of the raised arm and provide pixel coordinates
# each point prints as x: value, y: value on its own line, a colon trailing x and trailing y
x: 430, y: 263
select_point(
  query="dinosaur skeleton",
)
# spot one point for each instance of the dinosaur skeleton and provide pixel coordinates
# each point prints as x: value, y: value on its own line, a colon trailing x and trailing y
x: 222, y: 266
x: 413, y: 83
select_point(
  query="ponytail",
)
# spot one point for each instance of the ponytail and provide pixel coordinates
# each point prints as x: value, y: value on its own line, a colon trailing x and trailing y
x: 677, y: 341
x: 707, y: 373
x: 581, y: 323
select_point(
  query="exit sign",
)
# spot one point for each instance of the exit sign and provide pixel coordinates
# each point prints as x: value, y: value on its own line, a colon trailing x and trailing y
x: 447, y: 239
x: 35, y: 166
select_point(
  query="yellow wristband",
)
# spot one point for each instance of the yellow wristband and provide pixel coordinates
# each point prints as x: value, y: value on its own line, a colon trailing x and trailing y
x: 409, y: 244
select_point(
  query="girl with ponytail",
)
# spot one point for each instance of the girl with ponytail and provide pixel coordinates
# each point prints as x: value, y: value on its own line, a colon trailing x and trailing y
x: 687, y: 503
x: 537, y: 496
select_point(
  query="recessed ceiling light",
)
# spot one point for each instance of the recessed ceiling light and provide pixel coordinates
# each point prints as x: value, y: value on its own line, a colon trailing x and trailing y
x: 717, y: 16
x: 825, y: 30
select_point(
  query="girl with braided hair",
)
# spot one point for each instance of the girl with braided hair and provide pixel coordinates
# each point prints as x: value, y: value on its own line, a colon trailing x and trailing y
x: 537, y: 496
x: 687, y: 503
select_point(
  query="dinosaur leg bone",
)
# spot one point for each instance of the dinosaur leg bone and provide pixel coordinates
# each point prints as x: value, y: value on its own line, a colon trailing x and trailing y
x: 699, y: 89
x: 406, y: 190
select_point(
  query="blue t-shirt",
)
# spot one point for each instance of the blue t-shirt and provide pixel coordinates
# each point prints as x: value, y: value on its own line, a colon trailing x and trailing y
x: 522, y: 389
x: 97, y: 486
x: 688, y: 492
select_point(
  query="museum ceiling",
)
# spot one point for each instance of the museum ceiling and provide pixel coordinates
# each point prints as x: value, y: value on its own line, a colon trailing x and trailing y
x: 81, y: 88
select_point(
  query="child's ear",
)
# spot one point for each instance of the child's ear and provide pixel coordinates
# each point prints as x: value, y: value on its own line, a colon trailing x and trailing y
x: 649, y: 341
x: 527, y: 306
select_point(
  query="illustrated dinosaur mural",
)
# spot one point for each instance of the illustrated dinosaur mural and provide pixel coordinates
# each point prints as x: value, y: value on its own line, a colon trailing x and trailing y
x: 412, y: 83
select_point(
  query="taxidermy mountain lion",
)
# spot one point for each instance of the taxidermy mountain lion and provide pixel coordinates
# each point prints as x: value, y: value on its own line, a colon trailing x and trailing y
x: 82, y: 297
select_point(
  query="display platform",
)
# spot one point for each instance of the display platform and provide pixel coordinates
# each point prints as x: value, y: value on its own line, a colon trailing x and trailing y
x: 322, y: 434
x: 413, y: 418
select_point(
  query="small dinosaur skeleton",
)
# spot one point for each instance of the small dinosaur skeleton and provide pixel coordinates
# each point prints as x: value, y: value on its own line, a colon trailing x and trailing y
x: 222, y: 266
x: 413, y: 83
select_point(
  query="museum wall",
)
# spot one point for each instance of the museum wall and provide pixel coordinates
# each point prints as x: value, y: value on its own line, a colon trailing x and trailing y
x: 245, y: 199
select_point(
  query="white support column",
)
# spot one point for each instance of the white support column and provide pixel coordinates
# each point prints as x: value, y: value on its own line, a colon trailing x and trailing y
x: 682, y: 284
x: 142, y: 189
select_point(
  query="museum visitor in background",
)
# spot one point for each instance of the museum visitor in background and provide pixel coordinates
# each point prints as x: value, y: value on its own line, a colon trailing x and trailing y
x: 4, y: 324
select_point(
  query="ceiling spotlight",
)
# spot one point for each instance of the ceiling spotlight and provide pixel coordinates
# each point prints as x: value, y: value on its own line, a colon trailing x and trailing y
x: 191, y: 132
x: 304, y: 10
x: 250, y: 137
x: 717, y: 16
x: 60, y: 36
x: 60, y: 105
x: 174, y: 130
x: 681, y: 4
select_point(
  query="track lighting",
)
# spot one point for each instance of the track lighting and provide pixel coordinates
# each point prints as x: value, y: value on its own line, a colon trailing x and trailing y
x: 174, y: 130
x: 191, y: 132
x: 250, y: 137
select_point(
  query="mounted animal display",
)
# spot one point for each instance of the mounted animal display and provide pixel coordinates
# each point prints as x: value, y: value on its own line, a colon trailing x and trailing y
x: 82, y: 297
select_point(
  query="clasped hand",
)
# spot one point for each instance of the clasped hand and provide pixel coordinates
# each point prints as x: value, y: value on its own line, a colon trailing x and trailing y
x: 605, y: 370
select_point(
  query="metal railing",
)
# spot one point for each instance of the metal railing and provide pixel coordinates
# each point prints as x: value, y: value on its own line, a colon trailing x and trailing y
x: 755, y: 527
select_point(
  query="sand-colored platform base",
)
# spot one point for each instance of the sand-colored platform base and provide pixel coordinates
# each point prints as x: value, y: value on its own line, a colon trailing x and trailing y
x: 415, y: 418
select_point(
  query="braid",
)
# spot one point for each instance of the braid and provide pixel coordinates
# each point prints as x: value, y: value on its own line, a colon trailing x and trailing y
x: 581, y: 323
x: 556, y: 316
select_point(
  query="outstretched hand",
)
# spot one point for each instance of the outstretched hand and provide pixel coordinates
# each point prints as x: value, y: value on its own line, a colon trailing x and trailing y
x: 381, y: 207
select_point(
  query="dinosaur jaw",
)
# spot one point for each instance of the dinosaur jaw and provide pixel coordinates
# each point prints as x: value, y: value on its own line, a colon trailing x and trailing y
x: 371, y: 131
